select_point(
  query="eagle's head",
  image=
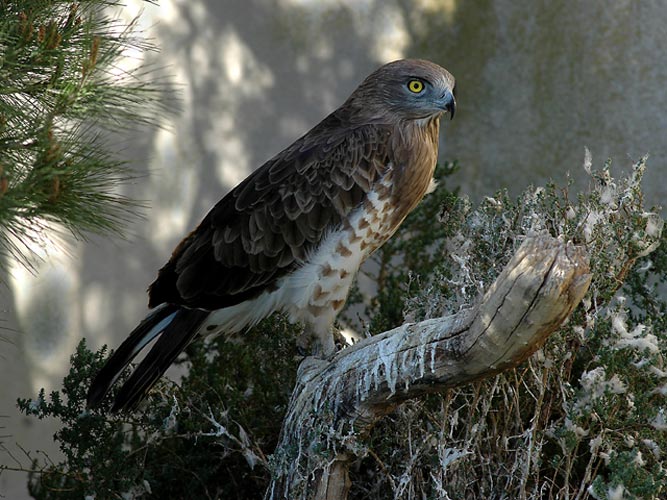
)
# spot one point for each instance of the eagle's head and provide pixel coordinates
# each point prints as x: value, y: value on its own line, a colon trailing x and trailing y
x: 407, y: 89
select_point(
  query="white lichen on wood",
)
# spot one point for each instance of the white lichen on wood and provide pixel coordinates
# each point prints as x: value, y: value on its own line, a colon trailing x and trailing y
x: 533, y: 295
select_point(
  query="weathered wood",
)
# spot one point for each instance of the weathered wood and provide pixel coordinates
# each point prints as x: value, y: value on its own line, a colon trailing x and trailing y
x: 336, y: 401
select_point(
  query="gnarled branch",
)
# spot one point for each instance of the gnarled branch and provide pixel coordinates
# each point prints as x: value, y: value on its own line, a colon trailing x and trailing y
x: 336, y: 400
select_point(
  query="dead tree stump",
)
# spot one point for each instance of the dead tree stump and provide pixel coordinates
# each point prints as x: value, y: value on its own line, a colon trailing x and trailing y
x: 335, y: 402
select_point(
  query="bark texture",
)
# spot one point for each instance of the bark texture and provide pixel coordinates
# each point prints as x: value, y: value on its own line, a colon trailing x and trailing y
x: 336, y: 401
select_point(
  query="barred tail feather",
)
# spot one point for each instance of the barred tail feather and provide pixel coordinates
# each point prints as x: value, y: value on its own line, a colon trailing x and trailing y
x: 178, y: 327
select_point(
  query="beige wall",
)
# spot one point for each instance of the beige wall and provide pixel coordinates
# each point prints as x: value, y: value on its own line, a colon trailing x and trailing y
x: 537, y: 82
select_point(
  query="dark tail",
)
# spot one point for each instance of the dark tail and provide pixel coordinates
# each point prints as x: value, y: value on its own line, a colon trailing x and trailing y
x: 178, y: 327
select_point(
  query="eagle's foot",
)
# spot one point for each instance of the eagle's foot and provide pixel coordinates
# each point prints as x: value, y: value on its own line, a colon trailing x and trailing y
x: 316, y: 345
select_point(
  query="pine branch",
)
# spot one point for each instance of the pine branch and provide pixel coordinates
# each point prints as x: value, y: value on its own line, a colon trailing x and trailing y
x: 61, y: 88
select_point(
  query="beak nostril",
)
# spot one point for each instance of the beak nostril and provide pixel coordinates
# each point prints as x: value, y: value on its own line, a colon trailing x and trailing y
x: 450, y: 104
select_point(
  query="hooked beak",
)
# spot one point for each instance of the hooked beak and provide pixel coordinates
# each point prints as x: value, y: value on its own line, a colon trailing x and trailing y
x: 450, y: 104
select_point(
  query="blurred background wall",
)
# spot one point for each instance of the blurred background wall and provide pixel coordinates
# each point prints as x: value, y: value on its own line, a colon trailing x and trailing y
x: 537, y: 82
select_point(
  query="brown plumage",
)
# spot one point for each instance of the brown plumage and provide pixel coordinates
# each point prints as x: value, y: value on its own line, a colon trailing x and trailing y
x: 292, y: 235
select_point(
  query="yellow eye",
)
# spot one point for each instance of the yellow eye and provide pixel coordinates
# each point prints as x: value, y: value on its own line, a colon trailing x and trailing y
x: 416, y: 86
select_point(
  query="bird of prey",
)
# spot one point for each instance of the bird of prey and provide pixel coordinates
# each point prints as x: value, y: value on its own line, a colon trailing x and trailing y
x: 292, y: 235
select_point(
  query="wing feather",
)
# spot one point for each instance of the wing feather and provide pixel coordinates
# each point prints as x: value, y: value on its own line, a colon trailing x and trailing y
x: 266, y: 226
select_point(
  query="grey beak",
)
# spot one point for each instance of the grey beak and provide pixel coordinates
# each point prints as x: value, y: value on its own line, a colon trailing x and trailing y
x: 451, y: 106
x: 447, y: 102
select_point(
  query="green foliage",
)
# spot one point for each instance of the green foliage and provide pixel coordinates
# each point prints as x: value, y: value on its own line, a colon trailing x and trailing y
x: 61, y: 85
x: 87, y: 440
x: 205, y: 439
x: 585, y: 417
